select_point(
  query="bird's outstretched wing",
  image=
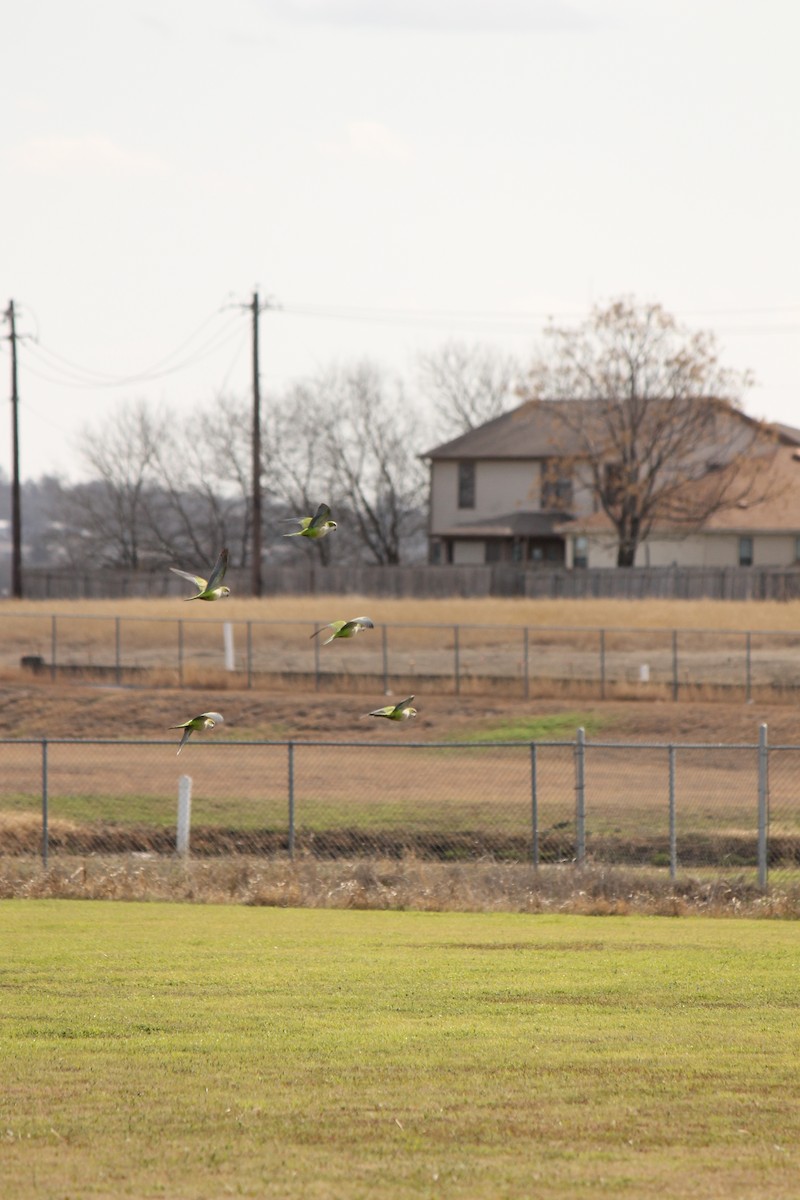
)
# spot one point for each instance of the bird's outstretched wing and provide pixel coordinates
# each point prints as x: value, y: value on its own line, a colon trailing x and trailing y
x: 403, y: 703
x: 197, y: 580
x: 218, y: 573
x: 336, y: 626
x: 320, y: 517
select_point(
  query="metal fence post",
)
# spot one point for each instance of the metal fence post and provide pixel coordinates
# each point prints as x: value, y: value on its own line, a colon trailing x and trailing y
x: 45, y: 836
x: 673, y: 829
x: 290, y: 749
x: 525, y: 664
x: 53, y: 646
x: 602, y: 664
x: 674, y: 664
x: 316, y: 661
x: 184, y: 824
x: 748, y: 668
x: 580, y: 796
x: 763, y: 805
x: 385, y: 658
x: 534, y: 810
x: 117, y: 666
x: 180, y: 652
x: 456, y: 663
x: 249, y: 654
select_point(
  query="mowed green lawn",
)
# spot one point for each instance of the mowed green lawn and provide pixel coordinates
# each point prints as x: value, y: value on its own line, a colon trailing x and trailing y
x: 195, y: 1051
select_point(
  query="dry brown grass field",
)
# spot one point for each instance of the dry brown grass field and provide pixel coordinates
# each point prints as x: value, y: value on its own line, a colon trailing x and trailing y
x: 514, y: 647
x: 633, y: 614
x: 371, y: 788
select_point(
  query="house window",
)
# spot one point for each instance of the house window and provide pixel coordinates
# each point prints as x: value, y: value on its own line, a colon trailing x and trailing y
x: 745, y: 552
x: 580, y: 554
x: 466, y: 485
x: 556, y: 493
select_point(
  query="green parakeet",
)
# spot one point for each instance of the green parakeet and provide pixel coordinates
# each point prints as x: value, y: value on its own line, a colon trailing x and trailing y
x: 314, y: 527
x: 344, y: 629
x: 396, y: 712
x: 204, y: 721
x: 209, y: 589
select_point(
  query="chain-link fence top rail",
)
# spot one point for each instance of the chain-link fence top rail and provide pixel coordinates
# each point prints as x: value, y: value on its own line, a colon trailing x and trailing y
x: 523, y: 661
x: 687, y: 806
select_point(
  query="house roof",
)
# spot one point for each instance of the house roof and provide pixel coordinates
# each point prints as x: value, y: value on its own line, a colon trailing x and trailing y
x: 537, y: 429
x: 516, y: 524
x: 777, y: 512
x: 532, y: 430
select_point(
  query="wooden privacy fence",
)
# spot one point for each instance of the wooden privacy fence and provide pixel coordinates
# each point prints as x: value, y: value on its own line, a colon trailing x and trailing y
x: 421, y: 581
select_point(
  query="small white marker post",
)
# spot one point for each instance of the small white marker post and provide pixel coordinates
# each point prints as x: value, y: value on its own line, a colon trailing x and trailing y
x: 184, y: 814
x: 644, y: 673
x: 227, y: 638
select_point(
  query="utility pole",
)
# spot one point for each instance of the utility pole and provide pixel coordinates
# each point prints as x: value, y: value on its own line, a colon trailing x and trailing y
x: 256, y: 448
x: 16, y: 519
x: 256, y: 308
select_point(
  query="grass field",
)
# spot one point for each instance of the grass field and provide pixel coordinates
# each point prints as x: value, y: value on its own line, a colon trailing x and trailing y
x: 198, y: 1052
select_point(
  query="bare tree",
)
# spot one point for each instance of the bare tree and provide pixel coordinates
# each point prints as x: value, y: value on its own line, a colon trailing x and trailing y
x: 297, y: 456
x: 468, y: 384
x: 369, y: 455
x: 201, y: 467
x: 645, y: 405
x: 112, y: 511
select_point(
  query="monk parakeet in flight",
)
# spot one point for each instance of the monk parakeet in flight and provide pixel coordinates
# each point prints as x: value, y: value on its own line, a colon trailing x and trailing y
x: 396, y: 712
x: 204, y: 721
x: 209, y: 589
x: 344, y: 629
x: 314, y: 527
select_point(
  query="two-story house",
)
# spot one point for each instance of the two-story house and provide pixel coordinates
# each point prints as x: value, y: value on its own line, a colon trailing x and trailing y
x: 518, y: 489
x: 499, y: 493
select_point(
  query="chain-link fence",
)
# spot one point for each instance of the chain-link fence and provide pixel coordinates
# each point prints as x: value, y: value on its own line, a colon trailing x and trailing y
x: 680, y: 807
x: 516, y: 660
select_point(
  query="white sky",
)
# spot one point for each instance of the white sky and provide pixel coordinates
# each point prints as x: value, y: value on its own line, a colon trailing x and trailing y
x: 412, y: 170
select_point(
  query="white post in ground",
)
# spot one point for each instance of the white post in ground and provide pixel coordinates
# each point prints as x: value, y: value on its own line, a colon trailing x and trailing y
x: 227, y: 639
x: 184, y: 814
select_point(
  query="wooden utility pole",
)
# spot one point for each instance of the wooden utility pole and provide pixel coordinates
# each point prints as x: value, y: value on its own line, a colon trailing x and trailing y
x: 16, y: 517
x: 256, y: 448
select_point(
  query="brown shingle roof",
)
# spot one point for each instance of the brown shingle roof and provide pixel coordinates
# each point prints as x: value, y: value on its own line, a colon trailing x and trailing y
x: 535, y: 430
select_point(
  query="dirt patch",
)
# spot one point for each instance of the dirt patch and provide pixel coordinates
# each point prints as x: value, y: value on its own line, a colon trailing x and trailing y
x: 60, y: 710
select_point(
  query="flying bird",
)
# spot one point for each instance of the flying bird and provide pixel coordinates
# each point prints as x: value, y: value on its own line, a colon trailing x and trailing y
x: 209, y: 589
x: 204, y: 721
x: 344, y: 629
x: 395, y: 712
x: 313, y: 527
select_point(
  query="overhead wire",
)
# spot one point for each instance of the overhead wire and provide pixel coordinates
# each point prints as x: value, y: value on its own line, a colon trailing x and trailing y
x: 69, y: 378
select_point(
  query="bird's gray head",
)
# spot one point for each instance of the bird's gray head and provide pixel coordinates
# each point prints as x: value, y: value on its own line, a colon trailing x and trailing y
x: 330, y: 524
x: 410, y: 712
x: 224, y: 591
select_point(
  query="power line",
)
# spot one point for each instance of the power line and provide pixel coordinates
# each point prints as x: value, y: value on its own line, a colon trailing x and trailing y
x: 69, y: 378
x: 110, y: 376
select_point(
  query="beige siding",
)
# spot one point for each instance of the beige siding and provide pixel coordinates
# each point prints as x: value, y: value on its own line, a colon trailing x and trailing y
x: 469, y: 553
x: 500, y: 488
x: 698, y: 550
x: 774, y: 550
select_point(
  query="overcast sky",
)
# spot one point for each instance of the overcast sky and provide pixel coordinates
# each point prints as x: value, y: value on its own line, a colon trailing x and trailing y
x: 394, y: 173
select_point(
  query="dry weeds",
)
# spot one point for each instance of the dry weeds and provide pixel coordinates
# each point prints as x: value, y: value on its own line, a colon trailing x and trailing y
x: 410, y: 884
x: 639, y: 614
